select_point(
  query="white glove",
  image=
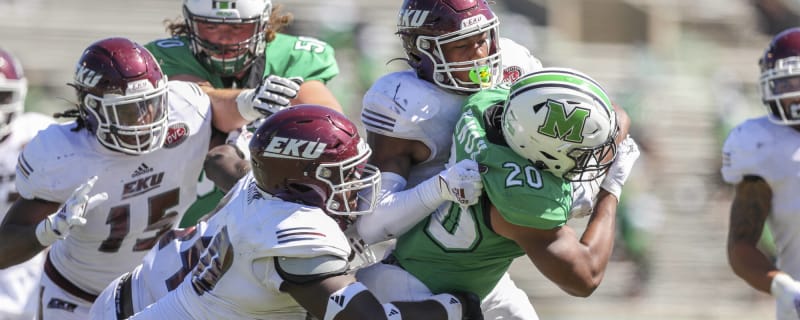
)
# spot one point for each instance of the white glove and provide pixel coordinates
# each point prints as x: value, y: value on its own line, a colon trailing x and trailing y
x: 584, y: 195
x: 58, y: 225
x: 272, y: 95
x: 787, y: 296
x: 460, y: 183
x: 240, y: 138
x: 627, y: 153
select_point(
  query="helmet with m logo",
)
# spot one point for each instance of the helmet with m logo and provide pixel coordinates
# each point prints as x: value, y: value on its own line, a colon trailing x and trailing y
x: 563, y: 122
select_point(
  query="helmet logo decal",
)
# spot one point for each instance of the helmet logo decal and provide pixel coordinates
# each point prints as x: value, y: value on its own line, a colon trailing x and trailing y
x: 412, y: 18
x: 471, y: 21
x: 280, y: 147
x: 87, y: 77
x: 138, y: 86
x: 223, y: 4
x: 559, y: 124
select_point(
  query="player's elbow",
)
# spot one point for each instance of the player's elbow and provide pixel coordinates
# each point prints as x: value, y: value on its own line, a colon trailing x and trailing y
x: 582, y: 290
x: 583, y: 286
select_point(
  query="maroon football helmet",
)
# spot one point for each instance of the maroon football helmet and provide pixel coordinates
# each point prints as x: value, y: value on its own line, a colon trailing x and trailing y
x: 425, y: 25
x: 314, y: 155
x: 780, y: 77
x: 122, y: 95
x: 13, y: 87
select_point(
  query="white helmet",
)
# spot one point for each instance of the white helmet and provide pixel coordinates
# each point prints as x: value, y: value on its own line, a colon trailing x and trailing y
x: 562, y: 121
x: 227, y: 12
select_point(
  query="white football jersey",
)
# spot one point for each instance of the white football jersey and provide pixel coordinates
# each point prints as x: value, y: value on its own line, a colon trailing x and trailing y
x: 18, y: 284
x: 771, y: 151
x: 147, y: 194
x: 401, y: 105
x: 235, y: 277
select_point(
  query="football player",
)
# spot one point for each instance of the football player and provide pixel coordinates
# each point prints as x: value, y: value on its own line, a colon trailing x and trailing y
x: 454, y: 50
x: 140, y: 141
x: 18, y: 284
x: 760, y: 158
x: 551, y: 128
x: 230, y: 47
x: 275, y: 247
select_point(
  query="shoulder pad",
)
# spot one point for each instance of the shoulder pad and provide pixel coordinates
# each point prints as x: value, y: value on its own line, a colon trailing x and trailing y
x: 270, y: 227
x: 748, y: 145
x: 183, y: 94
x: 50, y: 166
x: 398, y: 103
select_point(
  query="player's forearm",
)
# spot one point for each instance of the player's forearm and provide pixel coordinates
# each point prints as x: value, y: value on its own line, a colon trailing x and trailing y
x: 18, y: 244
x: 397, y: 211
x: 600, y: 231
x: 315, y: 92
x: 588, y: 261
x: 225, y: 113
x: 749, y: 210
x: 750, y: 264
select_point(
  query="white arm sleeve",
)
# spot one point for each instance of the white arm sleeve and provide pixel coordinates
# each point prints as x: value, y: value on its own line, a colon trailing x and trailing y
x: 397, y: 211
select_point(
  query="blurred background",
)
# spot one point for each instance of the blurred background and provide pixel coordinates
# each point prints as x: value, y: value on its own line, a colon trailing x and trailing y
x: 685, y: 70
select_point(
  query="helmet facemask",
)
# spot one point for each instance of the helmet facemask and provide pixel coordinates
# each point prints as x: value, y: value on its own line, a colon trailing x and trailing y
x: 354, y: 184
x: 779, y: 83
x: 592, y: 162
x: 484, y: 72
x: 134, y: 124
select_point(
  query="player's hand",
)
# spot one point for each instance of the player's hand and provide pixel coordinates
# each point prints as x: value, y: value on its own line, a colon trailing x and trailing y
x: 787, y: 296
x: 272, y: 95
x: 584, y: 196
x: 627, y: 153
x: 461, y: 183
x: 240, y: 139
x: 71, y: 214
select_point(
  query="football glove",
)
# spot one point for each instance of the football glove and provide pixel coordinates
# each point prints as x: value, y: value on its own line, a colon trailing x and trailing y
x: 627, y: 153
x: 272, y: 95
x: 787, y: 296
x: 460, y: 183
x: 71, y: 214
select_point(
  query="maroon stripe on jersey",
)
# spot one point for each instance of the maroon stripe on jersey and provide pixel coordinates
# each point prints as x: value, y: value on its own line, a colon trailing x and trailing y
x: 298, y: 234
x: 65, y: 284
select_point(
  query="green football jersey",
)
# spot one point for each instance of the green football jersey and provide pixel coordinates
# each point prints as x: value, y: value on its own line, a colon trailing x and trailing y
x: 456, y: 249
x: 285, y: 56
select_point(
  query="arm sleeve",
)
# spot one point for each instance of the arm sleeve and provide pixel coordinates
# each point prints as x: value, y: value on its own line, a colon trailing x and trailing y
x: 397, y: 211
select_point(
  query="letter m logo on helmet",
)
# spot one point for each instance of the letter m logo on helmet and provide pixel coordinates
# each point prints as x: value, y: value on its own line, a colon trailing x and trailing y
x: 558, y: 124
